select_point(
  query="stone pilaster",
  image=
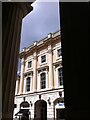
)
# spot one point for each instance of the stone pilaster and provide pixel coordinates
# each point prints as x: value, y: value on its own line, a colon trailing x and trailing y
x: 24, y: 89
x: 35, y: 72
x: 50, y: 67
x: 31, y: 84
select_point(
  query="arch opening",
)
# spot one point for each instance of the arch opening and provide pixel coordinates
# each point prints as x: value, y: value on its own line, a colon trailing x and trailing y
x: 24, y: 111
x: 40, y: 110
x: 59, y: 109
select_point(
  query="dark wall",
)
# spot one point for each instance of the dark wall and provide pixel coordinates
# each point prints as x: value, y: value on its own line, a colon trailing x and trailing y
x: 12, y: 14
x: 74, y: 36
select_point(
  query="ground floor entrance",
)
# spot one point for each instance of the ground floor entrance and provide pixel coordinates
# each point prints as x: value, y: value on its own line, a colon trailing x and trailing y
x: 40, y: 110
x: 48, y: 106
x: 59, y: 109
x: 60, y: 114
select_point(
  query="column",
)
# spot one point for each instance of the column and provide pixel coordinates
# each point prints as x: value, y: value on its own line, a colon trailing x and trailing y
x: 50, y: 111
x: 50, y: 67
x: 35, y: 71
x: 22, y: 76
x: 47, y: 81
x: 75, y: 37
x: 11, y: 28
x: 31, y: 85
x: 24, y: 85
x: 11, y: 44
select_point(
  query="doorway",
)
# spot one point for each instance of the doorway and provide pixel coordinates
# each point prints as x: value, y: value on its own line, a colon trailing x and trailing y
x: 60, y: 114
x: 40, y: 110
x: 59, y: 109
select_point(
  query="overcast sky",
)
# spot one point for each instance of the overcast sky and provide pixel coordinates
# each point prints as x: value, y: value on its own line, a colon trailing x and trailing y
x: 37, y: 24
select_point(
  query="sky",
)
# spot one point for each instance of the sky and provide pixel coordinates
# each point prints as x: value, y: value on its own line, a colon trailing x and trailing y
x: 43, y: 20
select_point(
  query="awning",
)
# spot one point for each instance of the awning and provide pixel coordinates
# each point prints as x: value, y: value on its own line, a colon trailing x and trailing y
x: 22, y: 111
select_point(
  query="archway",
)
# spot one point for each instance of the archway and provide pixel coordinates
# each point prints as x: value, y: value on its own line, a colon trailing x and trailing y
x: 24, y: 111
x: 24, y: 104
x: 59, y: 108
x: 40, y: 110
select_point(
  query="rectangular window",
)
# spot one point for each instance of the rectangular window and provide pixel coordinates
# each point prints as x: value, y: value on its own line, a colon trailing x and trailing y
x: 28, y: 84
x: 59, y: 53
x: 43, y: 58
x: 43, y: 80
x: 60, y: 76
x: 29, y: 64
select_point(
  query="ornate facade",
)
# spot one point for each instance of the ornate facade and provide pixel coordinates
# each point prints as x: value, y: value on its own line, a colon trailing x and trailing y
x: 39, y: 88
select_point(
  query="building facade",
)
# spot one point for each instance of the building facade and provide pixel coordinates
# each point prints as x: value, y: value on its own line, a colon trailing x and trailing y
x: 39, y: 88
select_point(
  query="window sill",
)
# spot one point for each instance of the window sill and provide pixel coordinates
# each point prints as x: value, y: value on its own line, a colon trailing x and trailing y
x: 27, y: 92
x: 42, y: 90
x: 43, y: 63
x: 29, y: 68
x: 61, y: 86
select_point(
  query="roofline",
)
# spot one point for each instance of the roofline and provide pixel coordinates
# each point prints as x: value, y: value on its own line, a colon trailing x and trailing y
x: 42, y: 40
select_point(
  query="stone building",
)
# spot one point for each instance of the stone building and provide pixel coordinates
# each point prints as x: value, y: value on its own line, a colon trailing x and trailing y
x: 39, y: 88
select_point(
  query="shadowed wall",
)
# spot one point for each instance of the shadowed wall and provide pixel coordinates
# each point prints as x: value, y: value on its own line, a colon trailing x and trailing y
x: 12, y: 14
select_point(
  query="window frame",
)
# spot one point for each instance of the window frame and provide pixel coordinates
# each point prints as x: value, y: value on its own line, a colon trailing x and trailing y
x: 57, y: 78
x: 45, y: 59
x: 58, y: 53
x: 47, y: 82
x: 29, y: 66
x: 42, y: 82
x: 29, y: 84
x: 60, y: 77
x: 58, y: 57
x: 25, y: 89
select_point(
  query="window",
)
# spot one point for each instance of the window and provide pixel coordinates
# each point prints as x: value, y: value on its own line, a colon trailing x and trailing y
x: 59, y: 53
x: 60, y: 76
x: 29, y: 64
x: 43, y: 80
x: 43, y: 58
x: 28, y: 84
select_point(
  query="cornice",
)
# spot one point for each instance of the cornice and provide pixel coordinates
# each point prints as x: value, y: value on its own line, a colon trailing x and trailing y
x: 44, y: 42
x: 43, y: 67
x: 28, y: 73
x: 47, y: 91
x: 57, y: 63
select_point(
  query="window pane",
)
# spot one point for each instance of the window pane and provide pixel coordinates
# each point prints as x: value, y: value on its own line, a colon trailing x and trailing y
x: 60, y: 76
x: 43, y: 58
x: 43, y: 80
x: 28, y: 84
x: 29, y: 64
x: 59, y: 52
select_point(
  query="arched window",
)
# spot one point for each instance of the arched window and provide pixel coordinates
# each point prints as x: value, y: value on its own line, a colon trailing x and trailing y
x: 28, y: 81
x: 60, y: 76
x: 24, y: 104
x: 43, y: 80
